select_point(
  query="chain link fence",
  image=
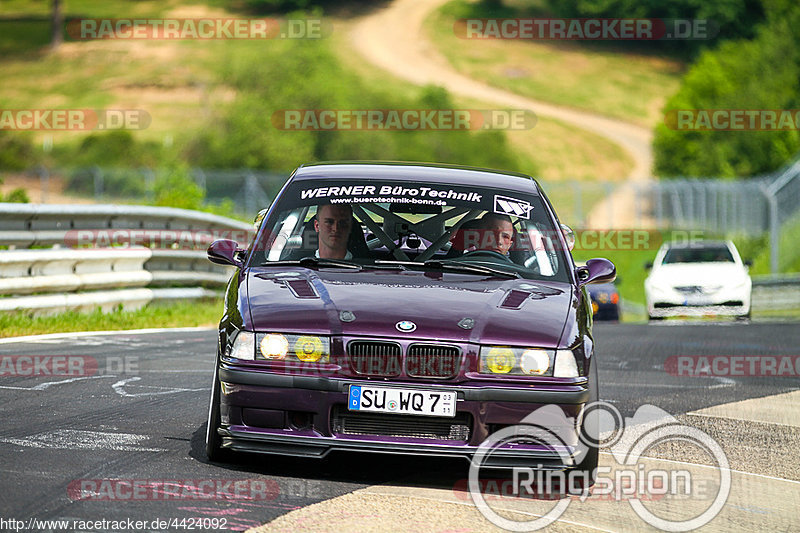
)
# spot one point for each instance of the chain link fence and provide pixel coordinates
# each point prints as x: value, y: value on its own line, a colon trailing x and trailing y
x: 750, y: 207
x: 248, y: 190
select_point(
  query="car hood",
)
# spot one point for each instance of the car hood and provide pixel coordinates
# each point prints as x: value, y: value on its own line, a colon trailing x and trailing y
x: 702, y: 274
x: 371, y: 303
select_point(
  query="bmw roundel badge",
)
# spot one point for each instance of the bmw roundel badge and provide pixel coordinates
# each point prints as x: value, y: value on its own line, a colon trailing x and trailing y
x: 406, y: 326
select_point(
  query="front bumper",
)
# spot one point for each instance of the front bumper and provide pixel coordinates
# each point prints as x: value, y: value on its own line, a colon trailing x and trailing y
x: 302, y: 416
x: 698, y: 310
x: 728, y: 302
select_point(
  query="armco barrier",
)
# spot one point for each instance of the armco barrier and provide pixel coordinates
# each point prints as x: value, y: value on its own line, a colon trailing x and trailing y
x: 106, y: 300
x: 62, y: 270
x: 776, y: 292
x: 60, y: 278
x: 26, y: 225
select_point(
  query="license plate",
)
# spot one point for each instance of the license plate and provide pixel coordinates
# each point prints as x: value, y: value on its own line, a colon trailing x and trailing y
x: 402, y: 401
x: 696, y: 301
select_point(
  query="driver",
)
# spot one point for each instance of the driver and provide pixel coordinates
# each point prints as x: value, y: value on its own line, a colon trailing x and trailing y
x: 333, y: 225
x: 498, y: 233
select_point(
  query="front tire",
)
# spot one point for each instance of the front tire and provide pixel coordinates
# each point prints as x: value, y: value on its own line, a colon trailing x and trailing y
x: 590, y: 428
x: 214, y: 450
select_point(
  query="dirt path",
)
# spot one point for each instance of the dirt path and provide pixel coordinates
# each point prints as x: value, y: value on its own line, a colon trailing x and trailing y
x: 393, y: 39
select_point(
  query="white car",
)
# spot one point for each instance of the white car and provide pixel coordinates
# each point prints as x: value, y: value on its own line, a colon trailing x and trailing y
x: 695, y: 278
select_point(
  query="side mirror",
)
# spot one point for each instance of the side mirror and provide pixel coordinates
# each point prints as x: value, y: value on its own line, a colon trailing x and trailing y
x: 648, y: 265
x: 597, y: 271
x: 748, y: 262
x: 225, y: 252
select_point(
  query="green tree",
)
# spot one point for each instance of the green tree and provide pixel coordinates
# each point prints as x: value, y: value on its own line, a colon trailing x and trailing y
x: 18, y: 195
x: 763, y: 73
x: 16, y: 151
x: 175, y: 188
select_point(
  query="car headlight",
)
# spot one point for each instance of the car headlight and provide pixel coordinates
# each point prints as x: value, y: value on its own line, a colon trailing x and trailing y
x: 566, y: 366
x: 244, y: 346
x: 274, y: 346
x: 515, y: 361
x: 304, y: 348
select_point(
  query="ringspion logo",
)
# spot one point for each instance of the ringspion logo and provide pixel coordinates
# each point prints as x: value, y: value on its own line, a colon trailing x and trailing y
x: 632, y: 479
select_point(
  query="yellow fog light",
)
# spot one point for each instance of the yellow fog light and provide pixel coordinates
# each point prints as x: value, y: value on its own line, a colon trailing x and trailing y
x: 534, y: 362
x: 500, y: 360
x: 274, y: 346
x: 308, y: 349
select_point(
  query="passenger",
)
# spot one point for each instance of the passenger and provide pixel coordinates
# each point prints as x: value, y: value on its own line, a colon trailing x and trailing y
x: 333, y: 224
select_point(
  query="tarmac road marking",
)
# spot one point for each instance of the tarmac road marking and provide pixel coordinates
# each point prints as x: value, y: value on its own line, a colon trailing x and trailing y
x: 119, y: 388
x: 87, y: 440
x: 43, y: 386
x: 722, y: 383
x: 71, y: 334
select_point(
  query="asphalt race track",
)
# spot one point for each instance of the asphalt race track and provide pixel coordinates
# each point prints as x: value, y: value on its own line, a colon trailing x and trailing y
x: 71, y: 446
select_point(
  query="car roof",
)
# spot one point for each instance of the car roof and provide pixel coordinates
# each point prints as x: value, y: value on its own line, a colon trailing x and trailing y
x: 427, y: 172
x: 694, y: 245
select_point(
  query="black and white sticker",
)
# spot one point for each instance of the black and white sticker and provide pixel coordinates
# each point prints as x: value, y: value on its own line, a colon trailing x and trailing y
x: 511, y: 206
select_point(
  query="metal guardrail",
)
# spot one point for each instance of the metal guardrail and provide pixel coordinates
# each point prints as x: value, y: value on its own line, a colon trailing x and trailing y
x: 27, y: 225
x: 36, y: 271
x: 60, y: 278
x: 106, y: 300
x: 776, y: 292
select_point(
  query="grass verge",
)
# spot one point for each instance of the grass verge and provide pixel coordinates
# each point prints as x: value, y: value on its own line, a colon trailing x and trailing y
x: 204, y: 312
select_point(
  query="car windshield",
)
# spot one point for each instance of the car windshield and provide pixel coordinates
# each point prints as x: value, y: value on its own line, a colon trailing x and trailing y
x: 411, y: 226
x: 715, y: 254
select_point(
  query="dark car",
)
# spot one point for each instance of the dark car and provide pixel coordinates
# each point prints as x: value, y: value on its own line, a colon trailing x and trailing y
x: 605, y: 301
x: 456, y: 311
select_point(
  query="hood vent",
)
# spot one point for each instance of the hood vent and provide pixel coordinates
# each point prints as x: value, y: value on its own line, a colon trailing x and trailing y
x: 514, y: 299
x: 301, y: 288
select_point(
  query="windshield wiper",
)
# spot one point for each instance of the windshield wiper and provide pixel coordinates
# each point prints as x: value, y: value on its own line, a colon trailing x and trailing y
x: 388, y: 265
x: 315, y: 262
x: 452, y: 265
x: 399, y: 265
x: 470, y: 267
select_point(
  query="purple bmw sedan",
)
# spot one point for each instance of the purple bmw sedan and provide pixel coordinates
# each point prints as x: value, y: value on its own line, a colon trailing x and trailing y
x: 404, y: 308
